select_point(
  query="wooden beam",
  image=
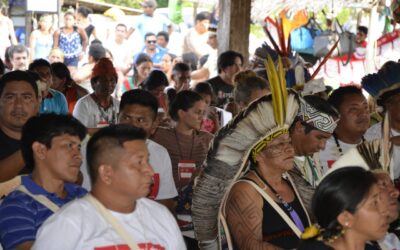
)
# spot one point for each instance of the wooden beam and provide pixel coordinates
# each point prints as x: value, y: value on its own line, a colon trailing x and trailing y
x: 234, y: 26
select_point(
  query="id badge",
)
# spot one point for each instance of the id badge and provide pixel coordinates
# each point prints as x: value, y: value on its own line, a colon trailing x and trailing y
x: 186, y: 168
x: 330, y: 163
x: 155, y: 187
x: 102, y: 124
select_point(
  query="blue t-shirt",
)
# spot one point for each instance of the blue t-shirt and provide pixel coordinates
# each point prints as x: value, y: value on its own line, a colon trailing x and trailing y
x: 54, y: 102
x: 157, y: 57
x: 154, y: 24
x: 21, y: 215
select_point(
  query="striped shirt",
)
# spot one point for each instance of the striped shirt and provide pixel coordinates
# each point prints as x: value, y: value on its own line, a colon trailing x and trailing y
x: 21, y: 215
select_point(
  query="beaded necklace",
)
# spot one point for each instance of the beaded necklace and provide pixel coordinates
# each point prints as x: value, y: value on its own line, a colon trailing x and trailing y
x: 338, y: 143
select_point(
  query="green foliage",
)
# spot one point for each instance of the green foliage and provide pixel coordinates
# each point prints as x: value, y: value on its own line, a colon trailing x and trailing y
x: 127, y: 3
x: 162, y: 3
x: 134, y: 3
x: 177, y: 16
x: 257, y: 30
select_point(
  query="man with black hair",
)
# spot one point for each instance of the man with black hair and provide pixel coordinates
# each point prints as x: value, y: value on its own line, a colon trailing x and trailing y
x: 19, y: 101
x: 116, y: 214
x: 229, y: 63
x: 353, y: 123
x: 121, y: 49
x: 163, y: 39
x: 50, y: 146
x: 310, y: 131
x: 181, y: 76
x: 362, y: 33
x: 139, y: 108
x: 154, y: 51
x: 83, y: 74
x: 196, y: 39
x: 361, y: 37
x: 53, y: 101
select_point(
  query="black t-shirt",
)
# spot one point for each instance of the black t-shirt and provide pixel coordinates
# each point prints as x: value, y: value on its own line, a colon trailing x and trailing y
x: 222, y: 90
x: 313, y: 244
x: 8, y: 145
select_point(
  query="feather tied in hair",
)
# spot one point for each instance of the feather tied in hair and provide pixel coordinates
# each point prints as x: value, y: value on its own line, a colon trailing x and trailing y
x: 277, y: 83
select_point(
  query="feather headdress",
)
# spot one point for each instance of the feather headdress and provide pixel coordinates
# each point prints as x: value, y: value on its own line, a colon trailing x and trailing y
x: 383, y: 84
x: 263, y: 120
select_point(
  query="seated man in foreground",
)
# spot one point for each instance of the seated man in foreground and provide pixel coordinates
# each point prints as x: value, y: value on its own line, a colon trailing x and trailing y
x: 51, y: 149
x: 116, y: 213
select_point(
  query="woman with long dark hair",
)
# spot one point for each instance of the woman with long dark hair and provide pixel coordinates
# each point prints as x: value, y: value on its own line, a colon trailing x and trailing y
x: 187, y: 146
x: 349, y: 211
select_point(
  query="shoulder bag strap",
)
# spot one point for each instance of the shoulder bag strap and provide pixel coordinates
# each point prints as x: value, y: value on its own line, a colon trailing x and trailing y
x: 40, y: 198
x: 275, y: 206
x: 299, y: 197
x: 112, y: 221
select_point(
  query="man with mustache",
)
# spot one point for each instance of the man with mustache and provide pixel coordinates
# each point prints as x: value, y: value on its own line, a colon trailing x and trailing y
x: 116, y: 214
x: 353, y: 123
x: 50, y: 146
x: 19, y: 101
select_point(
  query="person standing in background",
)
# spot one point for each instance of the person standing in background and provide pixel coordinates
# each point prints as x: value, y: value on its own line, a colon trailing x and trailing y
x: 72, y: 40
x: 7, y: 33
x: 196, y: 39
x: 150, y: 21
x: 41, y: 40
x: 83, y: 21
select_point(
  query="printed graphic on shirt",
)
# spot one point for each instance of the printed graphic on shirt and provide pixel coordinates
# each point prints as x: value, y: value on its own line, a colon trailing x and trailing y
x: 142, y: 246
x: 155, y: 187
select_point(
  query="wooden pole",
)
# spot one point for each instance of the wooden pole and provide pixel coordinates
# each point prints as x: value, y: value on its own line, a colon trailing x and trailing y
x: 234, y: 26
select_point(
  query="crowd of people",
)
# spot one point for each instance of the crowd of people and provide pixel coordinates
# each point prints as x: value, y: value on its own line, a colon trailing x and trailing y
x: 199, y: 151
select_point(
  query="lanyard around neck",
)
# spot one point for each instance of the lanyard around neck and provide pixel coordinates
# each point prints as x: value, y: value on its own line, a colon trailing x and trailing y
x: 293, y: 214
x: 179, y: 147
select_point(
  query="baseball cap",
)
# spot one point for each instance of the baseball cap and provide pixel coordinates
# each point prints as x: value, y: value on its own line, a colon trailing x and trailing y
x: 149, y: 3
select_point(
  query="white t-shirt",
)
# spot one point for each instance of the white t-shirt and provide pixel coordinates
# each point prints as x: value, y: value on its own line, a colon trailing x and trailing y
x: 122, y: 53
x: 164, y: 185
x: 211, y: 63
x: 92, y: 115
x: 375, y: 132
x: 196, y: 43
x: 79, y: 226
x: 331, y: 153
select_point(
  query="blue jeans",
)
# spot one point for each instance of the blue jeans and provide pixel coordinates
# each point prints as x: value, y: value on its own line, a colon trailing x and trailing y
x: 73, y: 61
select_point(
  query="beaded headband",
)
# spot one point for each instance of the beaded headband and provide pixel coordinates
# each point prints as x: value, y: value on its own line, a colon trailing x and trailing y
x: 261, y: 145
x: 316, y: 118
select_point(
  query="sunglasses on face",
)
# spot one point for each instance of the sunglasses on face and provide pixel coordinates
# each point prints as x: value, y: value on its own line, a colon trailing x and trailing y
x: 151, y: 41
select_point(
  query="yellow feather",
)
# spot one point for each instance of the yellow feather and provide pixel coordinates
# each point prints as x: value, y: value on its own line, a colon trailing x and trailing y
x: 272, y: 78
x: 283, y: 87
x: 276, y: 78
x: 275, y: 90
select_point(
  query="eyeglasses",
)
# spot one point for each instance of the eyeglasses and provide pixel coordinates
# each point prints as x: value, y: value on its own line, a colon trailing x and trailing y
x: 151, y: 41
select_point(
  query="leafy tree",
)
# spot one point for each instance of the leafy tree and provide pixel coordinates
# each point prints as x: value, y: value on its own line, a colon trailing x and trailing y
x: 134, y: 3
